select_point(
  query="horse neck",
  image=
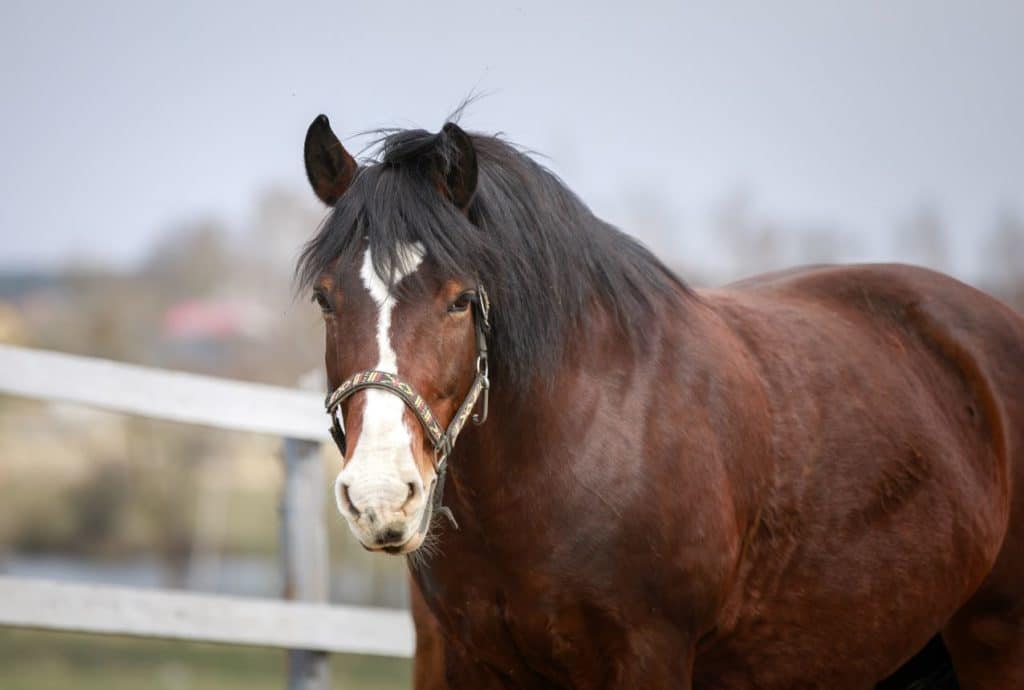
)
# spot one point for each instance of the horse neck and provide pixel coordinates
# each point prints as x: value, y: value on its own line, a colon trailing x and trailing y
x: 528, y: 448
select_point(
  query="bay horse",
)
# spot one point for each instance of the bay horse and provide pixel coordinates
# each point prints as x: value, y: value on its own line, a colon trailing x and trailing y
x: 794, y: 481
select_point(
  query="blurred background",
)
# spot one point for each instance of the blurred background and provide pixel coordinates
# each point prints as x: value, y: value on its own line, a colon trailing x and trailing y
x: 153, y: 202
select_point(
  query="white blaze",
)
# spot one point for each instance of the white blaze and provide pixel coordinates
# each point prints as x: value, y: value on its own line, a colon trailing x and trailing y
x: 382, y: 463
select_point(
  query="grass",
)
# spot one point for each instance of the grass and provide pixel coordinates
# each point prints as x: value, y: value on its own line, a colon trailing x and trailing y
x: 35, y: 660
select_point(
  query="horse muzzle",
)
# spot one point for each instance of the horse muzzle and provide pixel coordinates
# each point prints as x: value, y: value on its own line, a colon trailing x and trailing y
x: 385, y: 513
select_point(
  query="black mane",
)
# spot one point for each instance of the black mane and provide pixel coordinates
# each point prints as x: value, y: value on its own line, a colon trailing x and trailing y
x: 544, y: 258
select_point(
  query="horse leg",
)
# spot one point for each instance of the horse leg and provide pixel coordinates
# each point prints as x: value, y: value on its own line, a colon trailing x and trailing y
x: 986, y: 636
x: 987, y: 647
x: 653, y: 658
x: 930, y: 668
x: 428, y: 662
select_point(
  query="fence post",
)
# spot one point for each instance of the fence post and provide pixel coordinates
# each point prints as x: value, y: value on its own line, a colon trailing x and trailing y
x: 304, y: 555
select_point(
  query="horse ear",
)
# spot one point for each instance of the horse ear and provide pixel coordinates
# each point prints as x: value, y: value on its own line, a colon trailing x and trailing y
x: 329, y: 166
x: 461, y: 174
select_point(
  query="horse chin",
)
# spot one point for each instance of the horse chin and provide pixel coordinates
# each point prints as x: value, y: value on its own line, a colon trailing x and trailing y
x: 414, y: 542
x: 404, y: 549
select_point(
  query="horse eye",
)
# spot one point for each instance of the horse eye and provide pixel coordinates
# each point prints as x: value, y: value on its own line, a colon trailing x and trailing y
x: 461, y: 302
x: 321, y: 299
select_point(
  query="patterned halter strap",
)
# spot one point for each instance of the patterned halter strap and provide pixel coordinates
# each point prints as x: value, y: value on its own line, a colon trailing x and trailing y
x: 443, y: 440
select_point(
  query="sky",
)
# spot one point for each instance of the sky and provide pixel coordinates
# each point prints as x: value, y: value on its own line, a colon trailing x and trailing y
x: 124, y: 120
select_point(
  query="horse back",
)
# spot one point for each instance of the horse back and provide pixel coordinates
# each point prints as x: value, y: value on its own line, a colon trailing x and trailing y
x: 976, y: 339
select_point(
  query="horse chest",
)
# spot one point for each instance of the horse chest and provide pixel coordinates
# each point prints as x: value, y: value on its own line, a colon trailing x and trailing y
x: 532, y: 638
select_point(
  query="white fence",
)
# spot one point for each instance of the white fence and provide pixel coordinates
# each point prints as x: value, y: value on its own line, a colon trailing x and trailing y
x: 309, y: 627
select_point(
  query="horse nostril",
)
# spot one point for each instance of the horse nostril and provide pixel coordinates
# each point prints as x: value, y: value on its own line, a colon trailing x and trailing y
x: 371, y: 516
x: 413, y: 492
x: 347, y: 500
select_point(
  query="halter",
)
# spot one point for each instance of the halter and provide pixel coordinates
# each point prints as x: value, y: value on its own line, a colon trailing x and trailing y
x: 442, y: 440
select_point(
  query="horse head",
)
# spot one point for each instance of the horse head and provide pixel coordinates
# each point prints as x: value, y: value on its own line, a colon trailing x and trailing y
x: 406, y: 343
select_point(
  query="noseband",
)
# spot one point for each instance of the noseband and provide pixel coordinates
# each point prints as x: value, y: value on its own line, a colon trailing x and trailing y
x: 443, y: 440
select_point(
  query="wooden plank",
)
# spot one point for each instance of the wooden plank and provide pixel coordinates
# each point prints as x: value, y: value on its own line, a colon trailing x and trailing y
x: 162, y: 394
x: 29, y: 603
x: 304, y: 557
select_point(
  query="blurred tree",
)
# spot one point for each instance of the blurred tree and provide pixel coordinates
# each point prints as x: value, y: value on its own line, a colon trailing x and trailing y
x: 191, y: 261
x: 1003, y: 258
x: 282, y: 223
x: 754, y: 245
x: 98, y: 505
x: 922, y: 239
x: 822, y: 245
x: 167, y: 459
x: 102, y: 314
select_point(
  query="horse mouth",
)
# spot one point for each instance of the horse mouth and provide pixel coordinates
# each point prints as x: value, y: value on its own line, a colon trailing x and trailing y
x: 393, y: 549
x: 402, y: 549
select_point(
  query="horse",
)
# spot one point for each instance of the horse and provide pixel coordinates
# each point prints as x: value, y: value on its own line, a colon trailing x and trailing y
x: 799, y: 480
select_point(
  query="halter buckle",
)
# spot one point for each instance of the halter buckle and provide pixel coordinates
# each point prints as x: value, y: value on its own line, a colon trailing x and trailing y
x: 485, y: 308
x: 485, y: 393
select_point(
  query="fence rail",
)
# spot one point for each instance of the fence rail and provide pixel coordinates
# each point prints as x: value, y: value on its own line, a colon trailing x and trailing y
x: 160, y: 394
x: 307, y: 630
x: 49, y: 605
